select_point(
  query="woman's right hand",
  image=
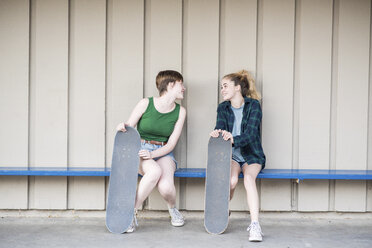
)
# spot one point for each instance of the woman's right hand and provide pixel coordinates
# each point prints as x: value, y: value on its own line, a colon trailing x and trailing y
x: 215, y: 133
x: 121, y: 127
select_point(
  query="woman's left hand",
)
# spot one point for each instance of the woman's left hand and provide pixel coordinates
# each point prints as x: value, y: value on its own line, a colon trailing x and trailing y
x: 227, y: 135
x: 145, y: 154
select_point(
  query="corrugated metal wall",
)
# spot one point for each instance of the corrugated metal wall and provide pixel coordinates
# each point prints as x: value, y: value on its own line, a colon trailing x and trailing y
x: 71, y: 70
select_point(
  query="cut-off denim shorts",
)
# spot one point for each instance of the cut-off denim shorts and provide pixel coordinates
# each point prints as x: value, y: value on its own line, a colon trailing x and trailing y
x: 153, y: 147
x: 240, y: 163
x: 237, y: 157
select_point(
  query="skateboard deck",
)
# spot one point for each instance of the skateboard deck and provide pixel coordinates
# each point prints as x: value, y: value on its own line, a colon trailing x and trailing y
x: 123, y: 181
x: 217, y: 185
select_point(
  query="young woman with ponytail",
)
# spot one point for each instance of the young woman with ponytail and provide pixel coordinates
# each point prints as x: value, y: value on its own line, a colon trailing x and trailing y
x: 239, y: 119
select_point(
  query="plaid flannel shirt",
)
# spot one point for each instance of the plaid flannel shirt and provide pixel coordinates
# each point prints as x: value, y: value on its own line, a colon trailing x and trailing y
x: 249, y: 139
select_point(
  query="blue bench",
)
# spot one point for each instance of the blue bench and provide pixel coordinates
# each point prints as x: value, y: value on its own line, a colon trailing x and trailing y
x: 191, y: 173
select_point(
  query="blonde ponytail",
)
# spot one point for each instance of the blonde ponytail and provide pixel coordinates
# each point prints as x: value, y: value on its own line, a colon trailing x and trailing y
x: 252, y: 92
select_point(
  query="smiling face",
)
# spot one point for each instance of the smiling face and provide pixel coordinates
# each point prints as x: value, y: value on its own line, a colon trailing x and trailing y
x: 228, y: 89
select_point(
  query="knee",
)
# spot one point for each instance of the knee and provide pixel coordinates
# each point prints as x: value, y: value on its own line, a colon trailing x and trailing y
x: 249, y: 179
x: 165, y: 187
x: 233, y: 182
x: 154, y: 174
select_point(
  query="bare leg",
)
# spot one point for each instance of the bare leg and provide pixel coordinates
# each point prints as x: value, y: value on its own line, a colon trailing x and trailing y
x: 167, y: 189
x: 250, y: 173
x: 235, y: 171
x: 151, y: 173
x: 166, y: 182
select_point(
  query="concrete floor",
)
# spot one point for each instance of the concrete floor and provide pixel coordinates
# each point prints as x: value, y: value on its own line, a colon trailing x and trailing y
x: 156, y: 231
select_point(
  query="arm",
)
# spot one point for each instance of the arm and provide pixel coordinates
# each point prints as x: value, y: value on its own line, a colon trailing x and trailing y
x: 173, y: 139
x: 135, y: 116
x: 220, y: 123
x: 253, y: 126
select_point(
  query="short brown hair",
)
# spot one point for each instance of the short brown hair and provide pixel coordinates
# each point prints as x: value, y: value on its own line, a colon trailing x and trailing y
x: 165, y: 77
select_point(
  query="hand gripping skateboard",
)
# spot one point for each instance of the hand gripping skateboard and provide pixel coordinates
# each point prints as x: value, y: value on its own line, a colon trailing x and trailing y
x: 217, y: 185
x: 123, y: 181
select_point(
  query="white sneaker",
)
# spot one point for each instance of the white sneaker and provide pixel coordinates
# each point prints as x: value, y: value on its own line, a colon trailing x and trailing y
x: 255, y: 233
x: 132, y: 226
x: 177, y: 218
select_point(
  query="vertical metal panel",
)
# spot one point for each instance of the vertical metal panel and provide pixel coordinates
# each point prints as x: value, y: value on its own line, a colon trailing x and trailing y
x: 313, y: 78
x: 14, y: 80
x: 275, y: 195
x: 163, y: 40
x: 313, y: 96
x: 87, y: 83
x: 13, y: 192
x: 87, y: 100
x: 86, y: 193
x: 238, y: 36
x: 200, y: 67
x: 276, y: 72
x: 14, y: 70
x: 124, y: 64
x: 352, y: 99
x: 238, y: 51
x: 49, y: 83
x: 48, y: 99
x: 313, y: 195
x: 163, y: 51
x: 47, y: 192
x: 195, y: 194
x: 201, y: 72
x: 277, y: 79
x: 350, y: 196
x: 353, y: 80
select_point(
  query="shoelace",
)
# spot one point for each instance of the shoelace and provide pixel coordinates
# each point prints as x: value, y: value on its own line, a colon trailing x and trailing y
x: 255, y: 228
x: 176, y: 214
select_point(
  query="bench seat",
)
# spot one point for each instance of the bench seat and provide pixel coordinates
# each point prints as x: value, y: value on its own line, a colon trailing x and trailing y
x: 191, y: 173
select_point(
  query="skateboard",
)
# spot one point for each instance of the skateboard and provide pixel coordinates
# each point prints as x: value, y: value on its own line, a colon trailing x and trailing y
x: 123, y: 181
x: 217, y: 185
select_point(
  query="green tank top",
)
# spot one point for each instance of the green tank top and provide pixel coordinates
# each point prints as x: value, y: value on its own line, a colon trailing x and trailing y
x: 154, y: 125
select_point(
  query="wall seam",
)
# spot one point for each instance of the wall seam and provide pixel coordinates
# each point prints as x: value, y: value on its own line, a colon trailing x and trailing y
x: 333, y: 105
x: 68, y: 98
x: 219, y: 49
x: 144, y: 49
x: 295, y: 109
x: 259, y: 77
x: 369, y: 112
x: 295, y: 97
x: 182, y: 182
x: 29, y: 103
x: 105, y: 112
x: 145, y: 203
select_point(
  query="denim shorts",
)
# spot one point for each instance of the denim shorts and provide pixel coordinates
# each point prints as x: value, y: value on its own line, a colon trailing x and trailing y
x: 153, y: 147
x: 240, y: 163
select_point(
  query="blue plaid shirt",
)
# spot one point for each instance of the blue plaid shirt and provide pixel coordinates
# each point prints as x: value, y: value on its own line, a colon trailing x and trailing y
x: 249, y: 139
